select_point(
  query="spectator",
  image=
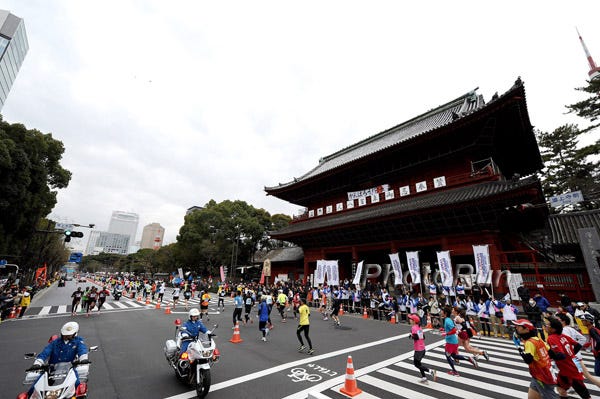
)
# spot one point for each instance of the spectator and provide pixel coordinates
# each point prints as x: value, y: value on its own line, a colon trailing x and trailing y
x: 523, y: 293
x: 542, y: 302
x: 534, y: 314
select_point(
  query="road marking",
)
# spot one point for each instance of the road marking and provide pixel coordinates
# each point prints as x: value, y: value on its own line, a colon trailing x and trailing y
x: 326, y: 385
x: 45, y: 310
x: 62, y: 309
x: 120, y: 305
x: 107, y: 306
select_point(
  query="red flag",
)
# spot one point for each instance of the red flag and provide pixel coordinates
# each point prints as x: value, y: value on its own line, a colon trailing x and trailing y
x: 262, y: 276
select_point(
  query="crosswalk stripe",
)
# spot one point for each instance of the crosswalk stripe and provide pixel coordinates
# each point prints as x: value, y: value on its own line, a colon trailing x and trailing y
x: 448, y: 389
x: 120, y: 305
x: 516, y: 364
x: 443, y: 363
x: 393, y: 388
x: 107, y: 306
x: 134, y: 304
x: 62, y: 309
x: 45, y: 310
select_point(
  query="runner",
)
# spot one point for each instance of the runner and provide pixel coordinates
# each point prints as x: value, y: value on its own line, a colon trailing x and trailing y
x: 465, y: 333
x: 416, y: 334
x: 102, y: 294
x: 221, y: 294
x: 562, y: 350
x: 248, y: 303
x: 535, y: 354
x: 76, y: 300
x: 204, y: 301
x: 187, y: 294
x: 91, y: 302
x: 175, y: 295
x: 304, y: 326
x: 451, y: 348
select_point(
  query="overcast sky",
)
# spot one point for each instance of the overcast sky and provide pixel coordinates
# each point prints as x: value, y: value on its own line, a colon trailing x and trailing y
x: 163, y: 105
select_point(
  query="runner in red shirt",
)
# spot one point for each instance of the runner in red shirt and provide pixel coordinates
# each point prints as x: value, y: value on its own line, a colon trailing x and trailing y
x: 562, y: 350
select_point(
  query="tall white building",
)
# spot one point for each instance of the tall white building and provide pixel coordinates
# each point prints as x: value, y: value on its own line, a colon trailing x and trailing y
x: 13, y: 48
x: 109, y: 243
x: 125, y: 223
x: 152, y: 236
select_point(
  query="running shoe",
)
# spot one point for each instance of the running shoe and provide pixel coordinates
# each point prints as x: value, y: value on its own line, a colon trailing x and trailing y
x: 301, y: 348
x: 311, y: 351
x: 423, y: 380
x: 267, y: 331
x: 264, y: 339
x: 433, y: 375
x: 487, y: 357
x: 452, y: 372
x: 473, y: 361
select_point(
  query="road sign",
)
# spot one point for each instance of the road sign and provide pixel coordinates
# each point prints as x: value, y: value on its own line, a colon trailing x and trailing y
x: 3, y: 261
x: 64, y: 226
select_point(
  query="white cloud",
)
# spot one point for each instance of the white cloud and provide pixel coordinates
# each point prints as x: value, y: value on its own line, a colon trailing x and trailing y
x: 165, y: 105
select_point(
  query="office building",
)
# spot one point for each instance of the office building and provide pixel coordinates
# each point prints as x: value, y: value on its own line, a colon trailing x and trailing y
x: 152, y: 236
x: 124, y: 223
x: 109, y: 243
x: 13, y: 48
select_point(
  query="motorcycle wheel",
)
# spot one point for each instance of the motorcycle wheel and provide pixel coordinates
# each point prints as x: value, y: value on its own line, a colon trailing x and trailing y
x: 203, y: 385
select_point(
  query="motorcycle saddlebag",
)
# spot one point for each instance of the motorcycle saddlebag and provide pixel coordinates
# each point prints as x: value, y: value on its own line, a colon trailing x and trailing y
x: 170, y: 348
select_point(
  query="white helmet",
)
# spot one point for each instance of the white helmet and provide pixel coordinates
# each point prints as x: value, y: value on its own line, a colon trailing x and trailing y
x: 194, y: 312
x: 70, y: 328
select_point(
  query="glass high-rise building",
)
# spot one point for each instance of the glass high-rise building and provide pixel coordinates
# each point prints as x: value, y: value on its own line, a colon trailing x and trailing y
x: 13, y: 48
x: 124, y: 223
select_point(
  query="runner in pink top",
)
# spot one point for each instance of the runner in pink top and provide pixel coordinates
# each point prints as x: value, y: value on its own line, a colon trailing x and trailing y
x: 416, y: 334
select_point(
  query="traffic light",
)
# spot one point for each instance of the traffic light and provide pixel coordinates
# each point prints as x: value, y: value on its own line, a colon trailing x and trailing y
x: 69, y: 234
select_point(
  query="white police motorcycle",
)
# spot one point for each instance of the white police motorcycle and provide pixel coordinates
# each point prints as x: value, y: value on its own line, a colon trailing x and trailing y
x: 193, y: 366
x: 57, y: 381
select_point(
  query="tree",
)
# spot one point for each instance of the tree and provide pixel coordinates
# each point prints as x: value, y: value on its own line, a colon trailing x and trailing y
x: 30, y: 173
x: 589, y: 108
x: 226, y: 233
x: 568, y: 168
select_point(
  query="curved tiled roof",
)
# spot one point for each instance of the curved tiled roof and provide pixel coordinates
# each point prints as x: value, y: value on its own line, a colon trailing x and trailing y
x: 431, y: 120
x: 564, y: 226
x: 450, y: 197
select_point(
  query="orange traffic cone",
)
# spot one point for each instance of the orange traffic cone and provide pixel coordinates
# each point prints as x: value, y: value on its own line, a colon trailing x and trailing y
x: 157, y: 306
x: 350, y: 388
x: 147, y: 301
x: 429, y: 325
x: 168, y: 310
x: 365, y: 314
x: 236, y: 339
x: 139, y: 298
x: 12, y: 314
x: 341, y: 312
x: 393, y: 319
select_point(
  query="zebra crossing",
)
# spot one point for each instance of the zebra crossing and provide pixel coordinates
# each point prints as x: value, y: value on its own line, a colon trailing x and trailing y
x: 505, y: 375
x: 125, y: 304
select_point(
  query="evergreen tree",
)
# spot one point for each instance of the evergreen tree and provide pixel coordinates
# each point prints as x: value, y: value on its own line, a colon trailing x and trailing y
x: 568, y: 168
x: 589, y: 108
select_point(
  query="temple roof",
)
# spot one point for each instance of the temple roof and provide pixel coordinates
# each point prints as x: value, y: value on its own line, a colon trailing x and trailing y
x: 564, y: 226
x: 434, y: 119
x: 494, y: 190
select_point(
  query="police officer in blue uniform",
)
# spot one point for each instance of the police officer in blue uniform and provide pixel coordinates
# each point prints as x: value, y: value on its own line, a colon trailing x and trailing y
x: 66, y: 348
x: 192, y: 328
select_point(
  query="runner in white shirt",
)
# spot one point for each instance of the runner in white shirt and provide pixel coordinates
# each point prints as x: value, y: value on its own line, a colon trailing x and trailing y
x: 175, y: 296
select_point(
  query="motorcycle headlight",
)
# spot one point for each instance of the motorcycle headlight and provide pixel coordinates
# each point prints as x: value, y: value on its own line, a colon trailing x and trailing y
x: 54, y: 394
x: 207, y: 353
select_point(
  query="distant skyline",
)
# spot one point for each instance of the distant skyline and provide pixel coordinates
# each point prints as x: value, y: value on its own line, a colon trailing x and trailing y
x: 162, y: 106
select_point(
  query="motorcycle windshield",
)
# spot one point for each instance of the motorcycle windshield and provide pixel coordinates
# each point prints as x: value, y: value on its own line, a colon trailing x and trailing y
x: 58, y: 373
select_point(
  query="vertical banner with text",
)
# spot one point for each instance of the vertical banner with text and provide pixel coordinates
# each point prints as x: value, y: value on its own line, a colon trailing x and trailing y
x: 333, y: 275
x: 412, y: 259
x: 482, y: 264
x: 358, y: 274
x: 320, y: 273
x: 395, y: 259
x: 445, y: 268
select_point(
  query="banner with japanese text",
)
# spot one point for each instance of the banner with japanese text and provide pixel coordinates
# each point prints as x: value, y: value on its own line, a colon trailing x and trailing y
x: 412, y: 259
x: 320, y: 273
x: 358, y: 274
x: 395, y: 259
x: 333, y: 276
x: 482, y: 264
x: 222, y: 270
x: 445, y: 268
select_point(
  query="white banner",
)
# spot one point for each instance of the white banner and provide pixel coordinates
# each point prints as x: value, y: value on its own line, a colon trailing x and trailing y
x: 358, y: 274
x: 320, y: 273
x: 445, y: 268
x: 395, y: 259
x: 333, y: 276
x: 180, y: 271
x: 412, y: 259
x: 368, y: 192
x: 482, y: 264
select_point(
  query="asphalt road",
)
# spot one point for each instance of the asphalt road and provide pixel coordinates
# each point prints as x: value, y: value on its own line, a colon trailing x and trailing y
x: 131, y: 363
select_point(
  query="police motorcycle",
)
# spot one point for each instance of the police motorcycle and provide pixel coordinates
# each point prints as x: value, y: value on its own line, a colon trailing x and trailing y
x: 57, y: 381
x: 193, y: 366
x: 118, y: 292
